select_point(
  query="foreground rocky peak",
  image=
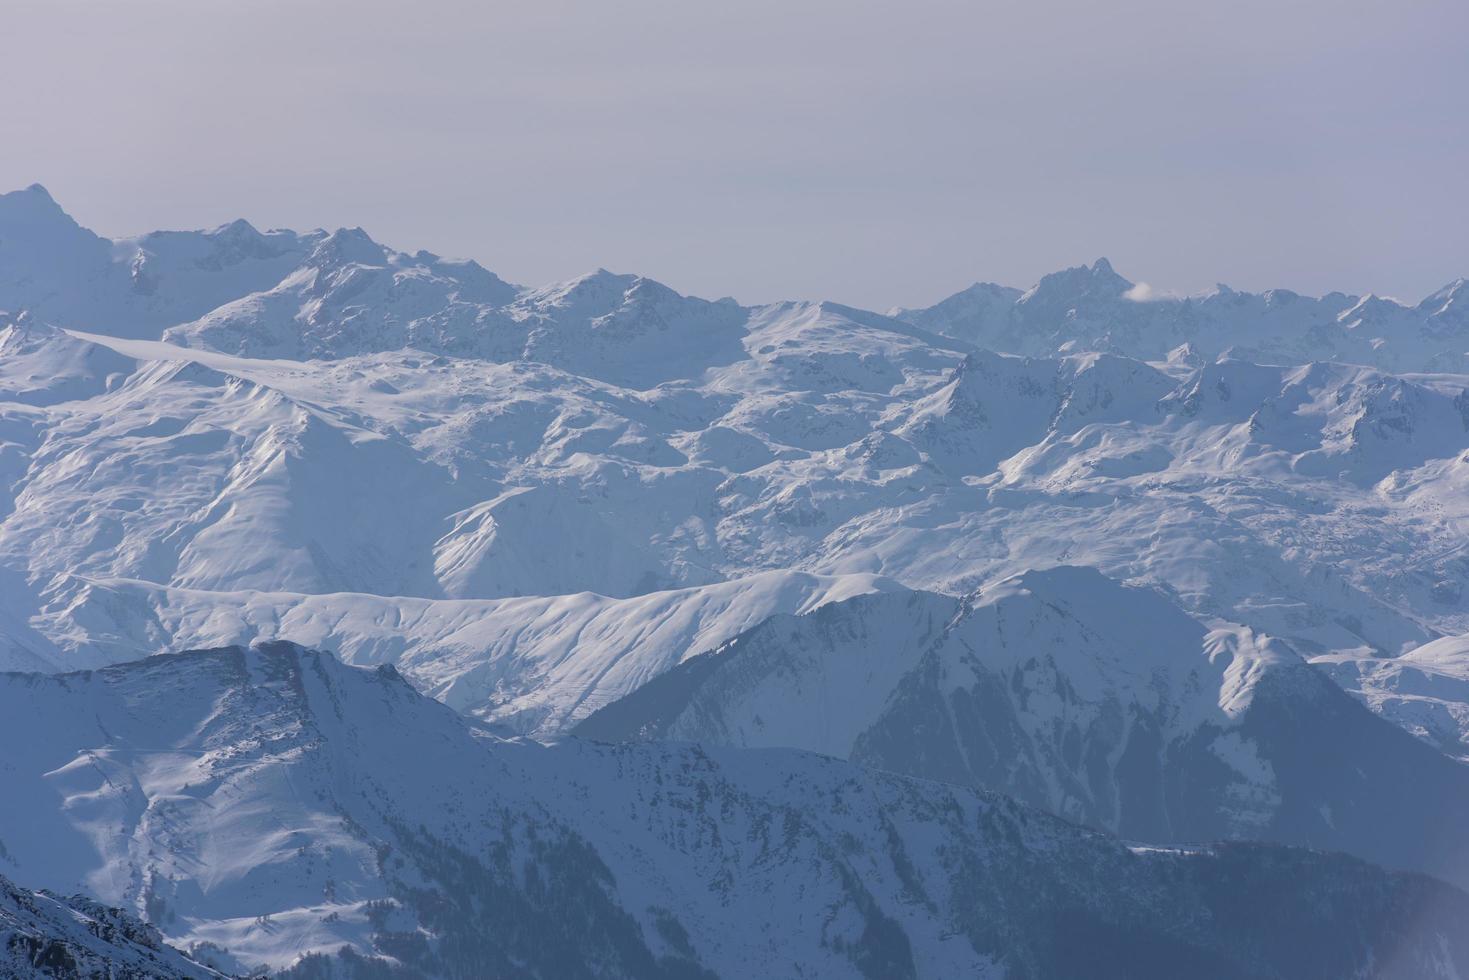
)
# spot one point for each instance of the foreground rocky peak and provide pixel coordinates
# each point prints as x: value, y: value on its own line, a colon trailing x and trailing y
x: 76, y: 938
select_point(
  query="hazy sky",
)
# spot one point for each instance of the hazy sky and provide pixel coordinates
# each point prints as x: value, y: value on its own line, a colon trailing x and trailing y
x: 878, y: 154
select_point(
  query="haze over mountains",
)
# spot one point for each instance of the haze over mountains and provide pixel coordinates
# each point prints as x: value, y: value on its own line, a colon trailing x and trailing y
x: 1177, y: 569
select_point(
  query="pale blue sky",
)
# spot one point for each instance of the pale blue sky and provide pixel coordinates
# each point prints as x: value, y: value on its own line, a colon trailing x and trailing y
x: 878, y: 154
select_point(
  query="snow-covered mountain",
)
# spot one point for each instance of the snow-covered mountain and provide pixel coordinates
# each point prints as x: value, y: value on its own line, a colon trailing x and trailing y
x: 1095, y: 309
x: 1100, y: 549
x: 135, y: 287
x: 1104, y: 704
x: 369, y: 439
x: 292, y: 812
x: 199, y: 476
x: 534, y: 663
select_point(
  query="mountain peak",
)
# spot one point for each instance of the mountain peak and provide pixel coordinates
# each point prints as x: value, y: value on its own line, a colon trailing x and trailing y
x: 35, y: 195
x: 239, y: 228
x: 34, y: 203
x: 1448, y: 309
x: 1099, y: 281
x: 41, y: 245
x: 594, y: 289
x: 347, y: 246
x: 1441, y: 300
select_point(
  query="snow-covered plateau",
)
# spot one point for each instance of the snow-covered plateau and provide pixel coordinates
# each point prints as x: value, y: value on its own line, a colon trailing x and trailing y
x: 741, y: 618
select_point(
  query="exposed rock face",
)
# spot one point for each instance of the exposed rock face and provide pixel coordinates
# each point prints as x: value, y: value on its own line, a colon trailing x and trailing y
x: 43, y: 935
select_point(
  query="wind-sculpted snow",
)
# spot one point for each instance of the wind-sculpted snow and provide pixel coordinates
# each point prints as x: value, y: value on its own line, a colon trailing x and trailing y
x: 294, y: 813
x: 1103, y: 704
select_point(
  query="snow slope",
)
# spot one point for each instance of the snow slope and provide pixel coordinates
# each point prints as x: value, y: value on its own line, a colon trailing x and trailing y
x: 535, y: 663
x: 1426, y: 690
x: 1104, y: 704
x: 281, y: 806
x: 44, y: 365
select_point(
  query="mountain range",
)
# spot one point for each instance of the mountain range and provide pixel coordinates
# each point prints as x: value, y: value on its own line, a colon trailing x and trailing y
x: 350, y: 596
x: 271, y: 808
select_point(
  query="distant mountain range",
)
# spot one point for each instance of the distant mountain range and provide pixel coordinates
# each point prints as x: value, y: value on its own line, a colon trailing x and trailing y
x: 1096, y: 309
